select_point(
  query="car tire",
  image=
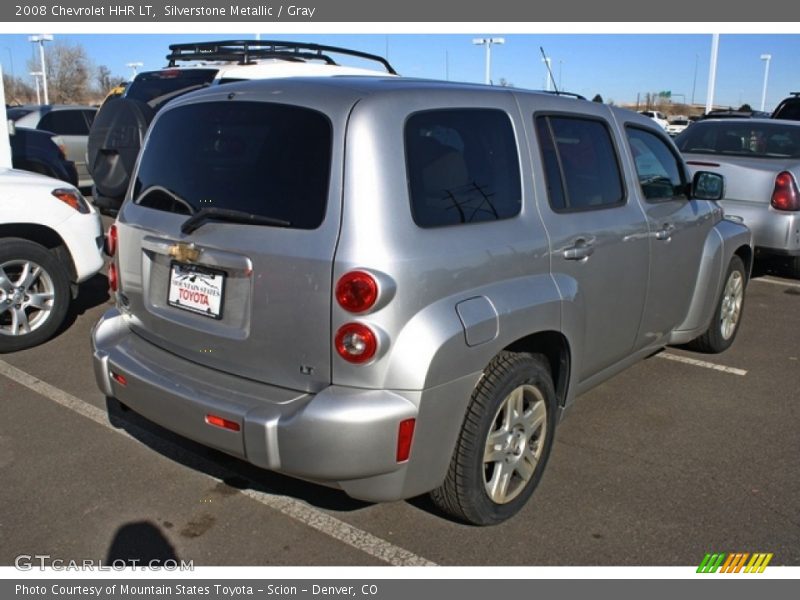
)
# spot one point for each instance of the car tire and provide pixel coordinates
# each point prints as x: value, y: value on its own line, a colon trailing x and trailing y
x: 504, y: 443
x: 114, y: 142
x: 727, y: 313
x: 34, y: 294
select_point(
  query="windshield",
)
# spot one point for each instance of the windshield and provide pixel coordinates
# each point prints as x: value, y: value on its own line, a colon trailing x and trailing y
x: 741, y: 138
x: 268, y: 160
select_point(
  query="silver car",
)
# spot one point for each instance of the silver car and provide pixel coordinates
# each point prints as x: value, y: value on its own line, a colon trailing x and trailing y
x: 70, y: 122
x: 394, y: 287
x: 760, y: 159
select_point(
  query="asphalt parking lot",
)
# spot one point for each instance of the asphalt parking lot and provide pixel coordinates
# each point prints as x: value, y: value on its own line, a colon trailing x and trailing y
x: 680, y: 455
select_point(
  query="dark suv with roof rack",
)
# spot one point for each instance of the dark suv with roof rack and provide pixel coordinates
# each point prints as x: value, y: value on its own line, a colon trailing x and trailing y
x: 789, y: 108
x: 119, y: 128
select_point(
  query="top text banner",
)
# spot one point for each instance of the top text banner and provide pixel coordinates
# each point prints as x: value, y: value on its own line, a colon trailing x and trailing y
x: 443, y: 11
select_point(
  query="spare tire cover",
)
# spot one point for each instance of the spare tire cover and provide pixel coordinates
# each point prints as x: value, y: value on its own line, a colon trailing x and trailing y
x: 114, y: 143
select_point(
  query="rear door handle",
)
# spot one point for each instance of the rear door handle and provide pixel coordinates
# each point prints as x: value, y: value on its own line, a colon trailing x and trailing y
x: 665, y: 233
x: 582, y: 249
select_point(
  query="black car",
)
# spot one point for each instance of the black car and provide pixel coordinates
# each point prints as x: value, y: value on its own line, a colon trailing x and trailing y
x: 789, y: 108
x: 38, y: 151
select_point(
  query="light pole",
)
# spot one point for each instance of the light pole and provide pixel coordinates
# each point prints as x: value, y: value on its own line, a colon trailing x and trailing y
x: 766, y: 58
x: 134, y: 66
x: 488, y: 43
x: 694, y: 81
x: 36, y: 75
x: 41, y: 39
x: 712, y: 72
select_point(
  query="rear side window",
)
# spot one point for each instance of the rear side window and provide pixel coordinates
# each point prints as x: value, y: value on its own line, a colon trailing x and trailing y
x: 581, y: 167
x: 65, y: 122
x: 269, y: 160
x: 463, y: 167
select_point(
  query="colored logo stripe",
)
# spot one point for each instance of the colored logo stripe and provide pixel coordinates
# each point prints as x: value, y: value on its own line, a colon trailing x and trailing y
x: 734, y: 562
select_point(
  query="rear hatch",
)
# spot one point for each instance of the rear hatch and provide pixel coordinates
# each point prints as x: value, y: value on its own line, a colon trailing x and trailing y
x: 227, y: 241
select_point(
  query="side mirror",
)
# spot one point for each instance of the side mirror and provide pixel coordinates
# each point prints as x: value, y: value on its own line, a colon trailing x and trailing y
x: 708, y: 186
x: 12, y: 127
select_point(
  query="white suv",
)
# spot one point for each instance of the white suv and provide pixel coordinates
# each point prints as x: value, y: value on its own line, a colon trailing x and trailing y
x: 657, y: 116
x: 50, y: 241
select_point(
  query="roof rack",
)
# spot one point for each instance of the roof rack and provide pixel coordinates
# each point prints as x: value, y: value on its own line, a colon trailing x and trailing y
x: 246, y: 51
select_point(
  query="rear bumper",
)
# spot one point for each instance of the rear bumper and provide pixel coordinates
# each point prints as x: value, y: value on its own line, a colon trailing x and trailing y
x: 342, y: 437
x: 774, y: 231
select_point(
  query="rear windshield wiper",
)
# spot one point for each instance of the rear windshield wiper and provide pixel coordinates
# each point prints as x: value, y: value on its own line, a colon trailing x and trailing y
x: 211, y: 213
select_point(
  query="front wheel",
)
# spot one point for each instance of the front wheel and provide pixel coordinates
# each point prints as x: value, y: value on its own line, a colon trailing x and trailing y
x: 34, y: 294
x: 728, y: 312
x: 504, y: 443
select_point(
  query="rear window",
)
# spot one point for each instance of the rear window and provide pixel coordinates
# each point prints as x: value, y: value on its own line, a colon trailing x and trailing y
x: 741, y: 138
x: 269, y: 160
x: 463, y: 167
x: 17, y: 113
x: 157, y: 87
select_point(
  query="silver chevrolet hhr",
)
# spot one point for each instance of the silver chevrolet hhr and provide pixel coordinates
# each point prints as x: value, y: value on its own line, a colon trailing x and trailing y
x: 394, y: 287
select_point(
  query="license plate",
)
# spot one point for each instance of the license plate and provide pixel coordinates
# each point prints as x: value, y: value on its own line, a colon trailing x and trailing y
x: 196, y: 289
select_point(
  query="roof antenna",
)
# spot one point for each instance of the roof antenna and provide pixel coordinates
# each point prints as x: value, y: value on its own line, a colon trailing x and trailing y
x: 549, y: 70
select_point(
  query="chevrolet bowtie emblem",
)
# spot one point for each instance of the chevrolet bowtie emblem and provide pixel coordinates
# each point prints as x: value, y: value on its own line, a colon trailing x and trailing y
x: 184, y: 252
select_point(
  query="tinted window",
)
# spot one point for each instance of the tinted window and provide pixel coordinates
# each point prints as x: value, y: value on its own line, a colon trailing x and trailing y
x: 17, y: 113
x: 746, y: 137
x: 462, y: 166
x: 659, y: 171
x: 581, y: 167
x: 157, y: 87
x: 269, y: 160
x: 64, y: 122
x: 790, y: 110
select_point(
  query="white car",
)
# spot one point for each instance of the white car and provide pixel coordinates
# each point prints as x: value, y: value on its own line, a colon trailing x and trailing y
x: 51, y: 240
x: 678, y: 125
x: 657, y: 116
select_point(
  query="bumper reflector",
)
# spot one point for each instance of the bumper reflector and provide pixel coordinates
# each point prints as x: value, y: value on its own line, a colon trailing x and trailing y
x: 120, y: 379
x: 222, y: 423
x: 405, y: 436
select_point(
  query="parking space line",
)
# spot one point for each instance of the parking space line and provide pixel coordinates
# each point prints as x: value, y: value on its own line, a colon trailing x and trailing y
x: 775, y: 282
x: 702, y: 363
x: 292, y: 508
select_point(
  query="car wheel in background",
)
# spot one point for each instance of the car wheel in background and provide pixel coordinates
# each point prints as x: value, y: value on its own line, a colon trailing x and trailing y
x: 34, y: 294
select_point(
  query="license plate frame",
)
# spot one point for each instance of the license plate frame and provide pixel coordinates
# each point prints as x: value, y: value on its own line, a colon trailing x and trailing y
x: 206, y: 291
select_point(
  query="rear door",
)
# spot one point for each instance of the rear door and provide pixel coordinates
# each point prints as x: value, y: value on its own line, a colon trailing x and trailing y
x: 598, y: 234
x: 250, y: 298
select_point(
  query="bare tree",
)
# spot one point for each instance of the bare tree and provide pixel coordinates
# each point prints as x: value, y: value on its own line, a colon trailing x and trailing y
x: 105, y: 80
x: 69, y: 72
x: 18, y: 91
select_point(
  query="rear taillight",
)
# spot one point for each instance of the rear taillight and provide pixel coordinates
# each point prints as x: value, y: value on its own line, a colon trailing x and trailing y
x: 356, y: 343
x: 785, y: 195
x: 357, y: 291
x: 72, y: 198
x: 113, y: 280
x: 111, y: 241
